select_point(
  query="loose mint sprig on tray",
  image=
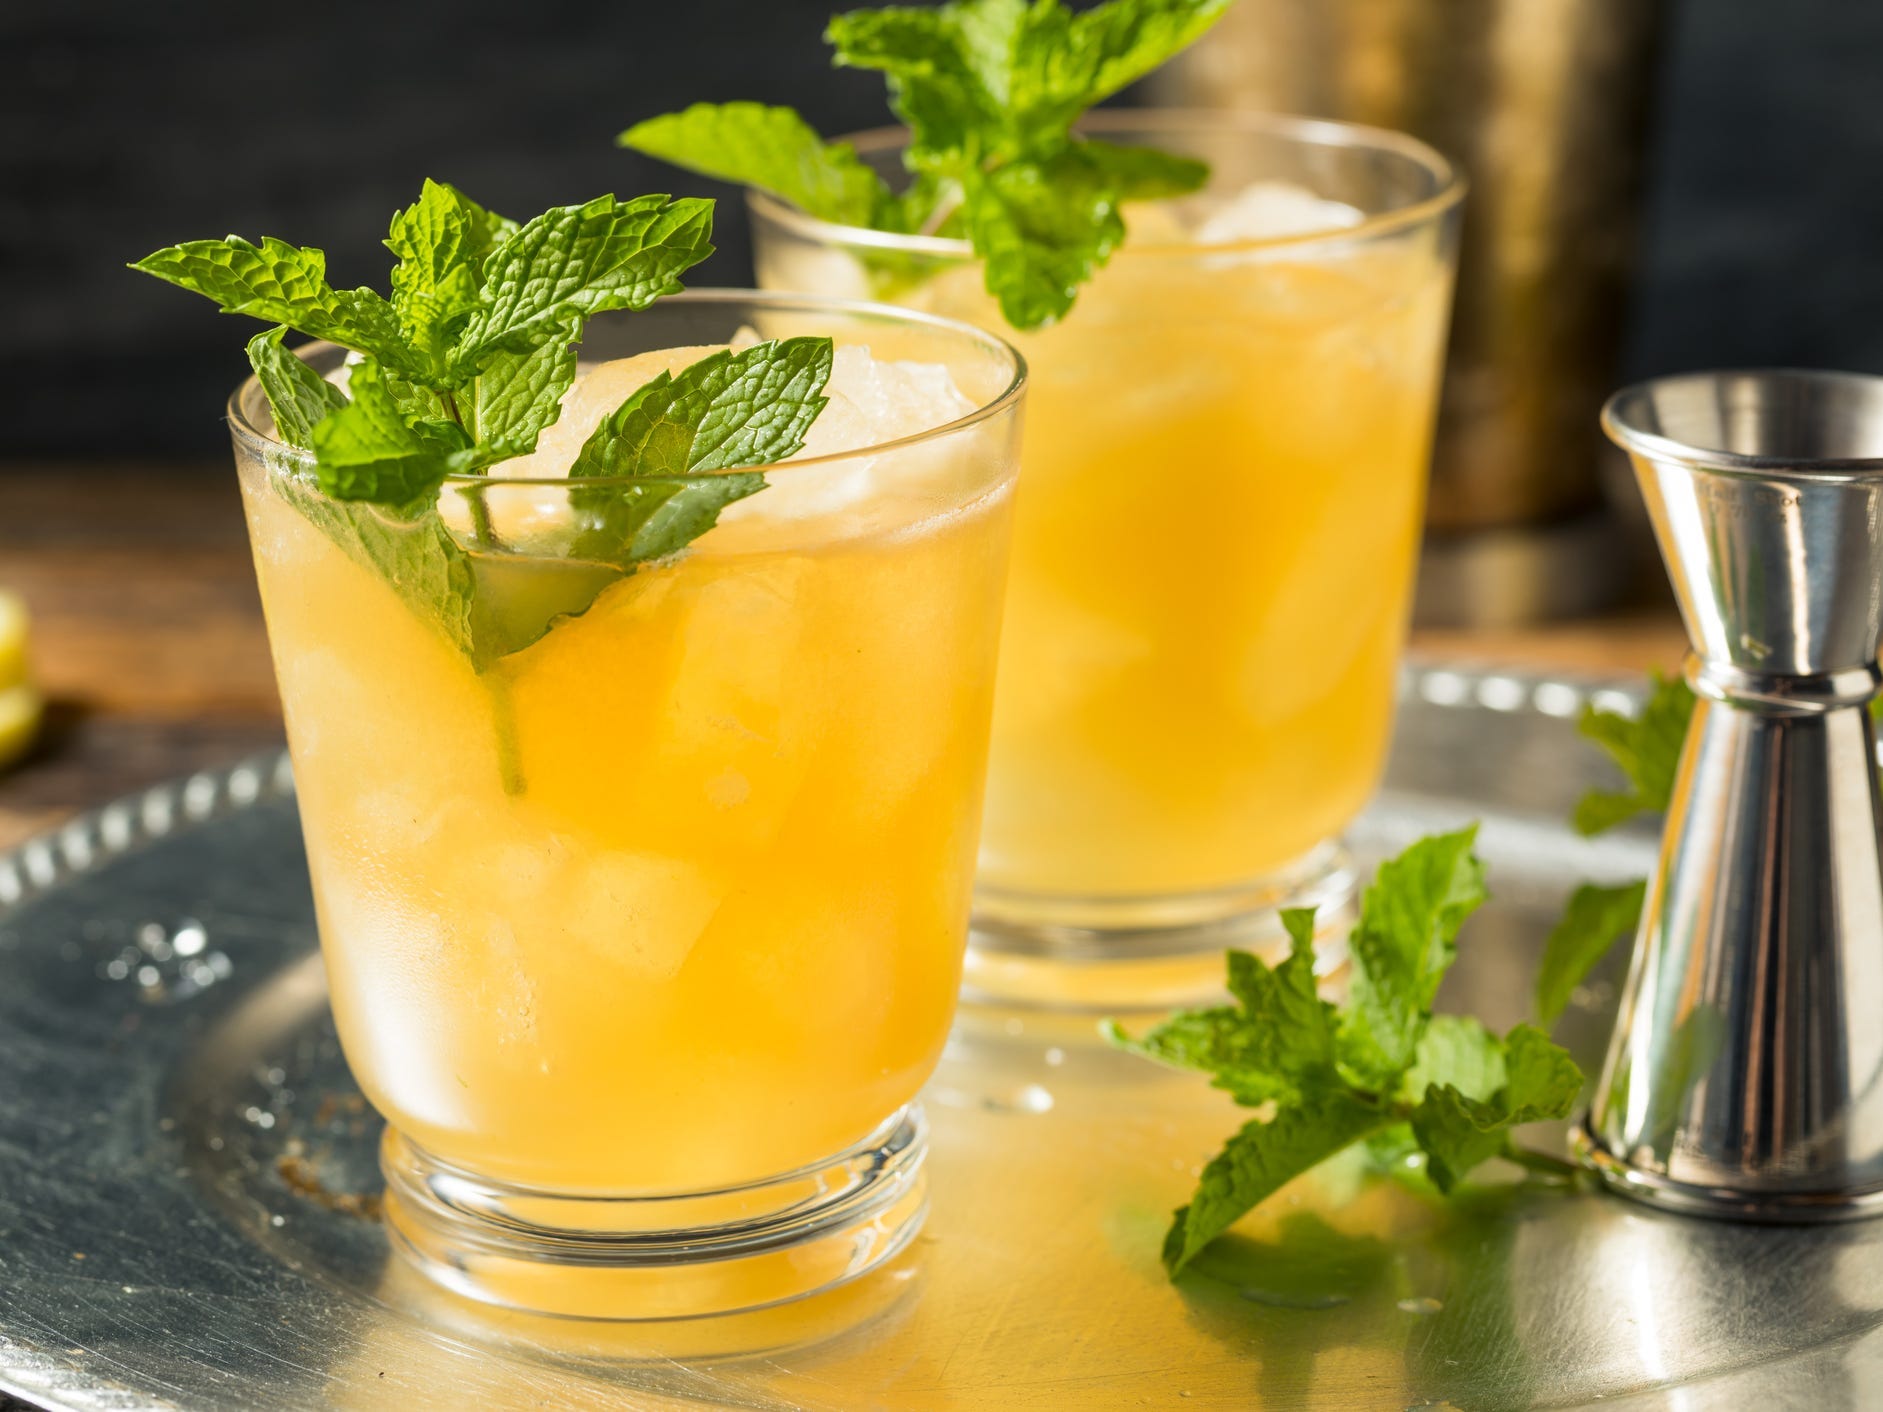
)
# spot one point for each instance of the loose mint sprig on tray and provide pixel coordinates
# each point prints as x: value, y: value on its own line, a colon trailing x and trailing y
x: 1380, y: 1067
x: 465, y: 365
x: 990, y: 90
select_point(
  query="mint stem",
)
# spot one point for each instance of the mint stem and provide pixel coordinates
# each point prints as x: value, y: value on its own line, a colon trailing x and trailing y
x: 481, y: 529
x: 509, y: 744
x: 1542, y: 1164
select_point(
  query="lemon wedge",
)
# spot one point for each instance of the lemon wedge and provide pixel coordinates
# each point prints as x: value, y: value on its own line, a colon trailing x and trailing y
x: 12, y: 640
x: 19, y: 721
x: 20, y: 706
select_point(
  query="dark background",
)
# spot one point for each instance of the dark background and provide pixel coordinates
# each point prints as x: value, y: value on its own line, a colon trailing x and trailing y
x: 126, y: 126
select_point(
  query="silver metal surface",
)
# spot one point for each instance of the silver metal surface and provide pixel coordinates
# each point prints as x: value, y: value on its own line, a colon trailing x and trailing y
x: 1745, y: 1077
x: 188, y: 1175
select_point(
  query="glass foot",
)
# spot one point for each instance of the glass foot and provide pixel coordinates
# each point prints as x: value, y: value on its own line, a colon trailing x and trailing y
x: 1107, y: 954
x: 675, y: 1256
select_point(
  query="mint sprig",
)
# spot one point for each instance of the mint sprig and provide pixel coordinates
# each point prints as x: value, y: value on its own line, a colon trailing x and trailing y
x: 1379, y: 1067
x: 465, y: 366
x: 467, y: 362
x: 1646, y: 747
x: 990, y: 91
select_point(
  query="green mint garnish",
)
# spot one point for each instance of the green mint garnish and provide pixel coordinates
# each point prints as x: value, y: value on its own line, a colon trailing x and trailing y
x: 725, y: 411
x: 467, y: 362
x: 441, y: 241
x: 729, y: 409
x: 573, y: 261
x: 298, y: 396
x: 283, y: 284
x: 1646, y: 747
x: 1379, y: 1067
x: 466, y: 365
x: 1595, y: 922
x: 990, y: 90
x: 775, y: 150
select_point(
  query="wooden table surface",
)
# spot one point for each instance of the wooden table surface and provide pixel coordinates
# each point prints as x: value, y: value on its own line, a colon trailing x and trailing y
x: 148, y: 641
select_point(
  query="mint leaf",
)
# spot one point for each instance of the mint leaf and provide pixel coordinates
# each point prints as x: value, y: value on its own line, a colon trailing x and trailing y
x: 284, y: 284
x: 1456, y: 1051
x: 1144, y: 173
x: 1279, y: 1043
x: 1043, y: 228
x: 633, y: 522
x: 943, y: 70
x: 366, y: 450
x: 298, y: 396
x: 487, y: 606
x: 441, y: 241
x: 1596, y: 919
x: 517, y: 395
x: 406, y: 545
x: 1259, y: 1160
x: 1402, y: 947
x: 573, y: 261
x: 727, y: 410
x: 1218, y: 1042
x: 1647, y: 748
x: 1458, y: 1132
x: 1066, y: 68
x: 770, y: 148
x: 1282, y: 1007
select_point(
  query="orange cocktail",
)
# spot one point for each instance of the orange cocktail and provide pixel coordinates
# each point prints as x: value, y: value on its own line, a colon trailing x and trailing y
x: 1225, y: 463
x: 669, y: 905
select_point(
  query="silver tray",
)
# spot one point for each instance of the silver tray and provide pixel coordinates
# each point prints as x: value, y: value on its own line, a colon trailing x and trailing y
x: 187, y: 1176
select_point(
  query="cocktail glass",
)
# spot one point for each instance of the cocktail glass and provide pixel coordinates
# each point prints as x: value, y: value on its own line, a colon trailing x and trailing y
x: 1225, y: 465
x: 644, y: 937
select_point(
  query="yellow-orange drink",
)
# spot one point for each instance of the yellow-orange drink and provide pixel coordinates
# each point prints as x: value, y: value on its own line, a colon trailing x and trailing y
x: 673, y: 899
x: 1223, y: 476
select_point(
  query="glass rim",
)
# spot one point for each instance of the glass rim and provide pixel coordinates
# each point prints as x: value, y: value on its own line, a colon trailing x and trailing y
x: 1002, y: 401
x: 1326, y: 132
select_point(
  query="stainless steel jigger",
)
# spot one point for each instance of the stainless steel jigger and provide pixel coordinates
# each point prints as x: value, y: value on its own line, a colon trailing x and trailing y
x: 1745, y: 1075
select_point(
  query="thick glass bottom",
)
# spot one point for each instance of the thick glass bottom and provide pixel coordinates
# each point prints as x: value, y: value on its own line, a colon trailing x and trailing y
x: 679, y: 1256
x: 1112, y: 953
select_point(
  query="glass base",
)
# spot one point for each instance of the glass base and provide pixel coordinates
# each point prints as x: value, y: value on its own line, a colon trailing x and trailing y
x: 1107, y: 954
x: 679, y: 1256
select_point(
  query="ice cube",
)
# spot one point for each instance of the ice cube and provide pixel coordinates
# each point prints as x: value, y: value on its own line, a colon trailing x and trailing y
x: 1270, y: 210
x: 398, y: 819
x: 872, y: 401
x: 642, y: 911
x: 526, y: 871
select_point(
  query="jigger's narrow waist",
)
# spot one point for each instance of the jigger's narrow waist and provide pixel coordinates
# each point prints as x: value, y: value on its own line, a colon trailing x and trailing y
x: 1776, y: 694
